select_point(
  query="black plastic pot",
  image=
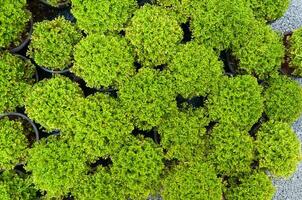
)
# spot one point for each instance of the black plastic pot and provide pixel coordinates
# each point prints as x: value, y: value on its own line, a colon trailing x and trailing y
x: 26, y: 41
x: 25, y: 118
x: 24, y: 58
x: 54, y: 71
x: 60, y: 6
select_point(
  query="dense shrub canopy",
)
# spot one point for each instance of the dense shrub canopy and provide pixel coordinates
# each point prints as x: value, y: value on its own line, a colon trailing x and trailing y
x: 52, y: 43
x: 155, y: 34
x: 278, y: 148
x: 197, y: 181
x: 283, y: 99
x: 94, y: 16
x: 104, y: 60
x: 295, y: 51
x: 13, y: 19
x: 180, y: 7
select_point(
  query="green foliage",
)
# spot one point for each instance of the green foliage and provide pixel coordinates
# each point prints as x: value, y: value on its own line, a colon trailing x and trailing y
x: 52, y: 43
x: 231, y: 151
x: 182, y: 8
x: 15, y: 80
x: 283, y: 99
x: 183, y: 135
x: 255, y: 186
x: 195, y: 70
x: 16, y: 187
x: 278, y: 148
x: 13, y: 144
x: 295, y: 51
x: 237, y: 102
x: 56, y: 166
x: 194, y: 182
x: 155, y: 34
x: 260, y: 50
x: 94, y: 16
x: 56, y: 3
x: 14, y: 20
x: 50, y: 101
x: 104, y: 60
x: 269, y: 10
x: 137, y: 168
x: 149, y: 96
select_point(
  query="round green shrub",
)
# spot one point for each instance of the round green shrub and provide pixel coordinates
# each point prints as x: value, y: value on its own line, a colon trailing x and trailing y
x: 237, y: 102
x: 183, y: 135
x: 104, y: 60
x: 13, y: 144
x: 13, y: 19
x: 283, y: 99
x: 195, y: 70
x: 278, y: 148
x: 52, y: 43
x: 14, y: 186
x: 94, y: 16
x: 56, y: 166
x: 230, y: 150
x: 15, y: 81
x: 182, y: 8
x: 260, y: 51
x: 295, y: 51
x: 56, y: 3
x: 269, y: 10
x: 50, y: 102
x: 196, y: 181
x: 137, y: 168
x: 255, y: 186
x: 155, y: 34
x: 149, y: 97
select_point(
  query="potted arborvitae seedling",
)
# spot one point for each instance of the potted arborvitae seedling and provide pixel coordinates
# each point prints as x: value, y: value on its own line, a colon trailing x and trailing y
x: 104, y: 61
x: 148, y: 96
x: 56, y: 3
x: 15, y: 81
x: 237, y: 102
x: 95, y: 16
x: 278, y: 148
x: 16, y: 186
x: 183, y: 135
x: 155, y: 34
x: 192, y: 181
x: 52, y: 44
x: 283, y: 99
x: 13, y: 144
x: 254, y: 186
x: 51, y: 101
x: 195, y: 70
x: 15, y: 23
x: 295, y: 52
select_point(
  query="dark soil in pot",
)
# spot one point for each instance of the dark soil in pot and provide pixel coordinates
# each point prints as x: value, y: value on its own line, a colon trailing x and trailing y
x: 285, y: 68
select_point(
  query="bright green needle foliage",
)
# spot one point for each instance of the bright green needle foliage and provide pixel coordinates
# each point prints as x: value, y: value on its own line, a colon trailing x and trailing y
x: 104, y: 60
x: 296, y: 51
x: 183, y: 135
x: 155, y: 33
x: 56, y: 3
x: 149, y: 96
x: 137, y: 168
x: 278, y: 148
x: 15, y: 81
x: 15, y: 187
x: 95, y: 16
x: 13, y: 22
x: 13, y: 144
x: 231, y: 151
x: 260, y: 50
x: 218, y: 23
x: 50, y: 101
x: 283, y: 99
x: 194, y: 182
x: 269, y: 10
x: 181, y: 8
x: 52, y: 43
x: 255, y: 186
x: 195, y: 70
x: 237, y: 102
x: 56, y: 166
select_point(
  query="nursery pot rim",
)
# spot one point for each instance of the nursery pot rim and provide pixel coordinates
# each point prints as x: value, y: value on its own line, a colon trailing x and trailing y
x: 59, y: 6
x: 25, y: 58
x: 24, y: 117
x: 26, y: 41
x: 55, y: 71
